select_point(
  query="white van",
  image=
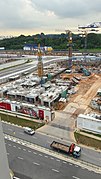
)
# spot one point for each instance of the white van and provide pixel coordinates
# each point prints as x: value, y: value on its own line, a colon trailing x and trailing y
x: 29, y: 131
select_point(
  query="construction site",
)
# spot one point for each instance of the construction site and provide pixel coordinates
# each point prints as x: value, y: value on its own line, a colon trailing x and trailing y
x: 70, y: 86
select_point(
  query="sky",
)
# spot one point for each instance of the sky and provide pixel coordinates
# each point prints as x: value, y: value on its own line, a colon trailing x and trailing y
x: 29, y: 17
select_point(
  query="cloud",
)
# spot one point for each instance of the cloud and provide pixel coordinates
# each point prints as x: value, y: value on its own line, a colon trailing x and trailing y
x: 69, y: 8
x: 18, y: 14
x: 43, y: 14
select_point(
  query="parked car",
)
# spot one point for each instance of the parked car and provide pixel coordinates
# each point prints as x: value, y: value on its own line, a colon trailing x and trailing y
x: 29, y: 131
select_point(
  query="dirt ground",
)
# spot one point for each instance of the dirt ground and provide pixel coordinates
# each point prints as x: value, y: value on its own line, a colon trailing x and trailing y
x: 86, y: 91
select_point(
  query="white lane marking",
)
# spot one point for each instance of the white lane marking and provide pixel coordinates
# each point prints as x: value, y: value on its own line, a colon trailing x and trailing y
x: 24, y: 149
x: 64, y: 162
x: 46, y: 156
x: 70, y: 164
x: 57, y: 160
x: 55, y: 170
x: 19, y: 148
x: 16, y: 178
x: 36, y: 163
x: 75, y: 177
x: 20, y: 158
x: 9, y: 144
x: 34, y: 153
x: 52, y: 158
x: 34, y: 137
x: 29, y: 151
x: 10, y: 129
x: 40, y: 155
x: 14, y: 146
x: 76, y: 165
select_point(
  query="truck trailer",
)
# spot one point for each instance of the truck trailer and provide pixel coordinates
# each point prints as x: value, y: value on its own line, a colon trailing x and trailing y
x: 72, y: 149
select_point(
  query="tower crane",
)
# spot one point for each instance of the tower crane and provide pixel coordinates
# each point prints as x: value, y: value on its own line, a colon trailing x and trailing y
x: 91, y: 26
x: 70, y: 44
x: 40, y: 64
x: 95, y: 26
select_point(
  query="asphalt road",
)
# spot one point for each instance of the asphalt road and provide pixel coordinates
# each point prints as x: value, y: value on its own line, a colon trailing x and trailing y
x: 31, y: 164
x: 16, y: 69
x: 32, y: 65
x: 88, y: 155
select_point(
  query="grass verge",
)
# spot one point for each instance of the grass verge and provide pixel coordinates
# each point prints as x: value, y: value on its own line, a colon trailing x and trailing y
x: 86, y: 140
x: 20, y: 121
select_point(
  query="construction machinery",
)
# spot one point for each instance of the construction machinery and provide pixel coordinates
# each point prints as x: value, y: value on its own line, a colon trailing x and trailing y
x: 86, y: 29
x: 91, y: 26
x: 72, y: 149
x: 69, y: 48
x: 40, y: 64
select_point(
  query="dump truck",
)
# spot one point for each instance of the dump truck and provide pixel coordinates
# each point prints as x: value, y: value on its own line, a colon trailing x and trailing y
x: 72, y: 149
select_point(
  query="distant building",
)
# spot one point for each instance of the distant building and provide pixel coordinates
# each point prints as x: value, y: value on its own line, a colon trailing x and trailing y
x: 33, y: 47
x: 2, y: 48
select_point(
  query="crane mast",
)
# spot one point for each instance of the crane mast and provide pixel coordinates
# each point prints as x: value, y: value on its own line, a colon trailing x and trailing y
x: 40, y: 63
x: 69, y: 48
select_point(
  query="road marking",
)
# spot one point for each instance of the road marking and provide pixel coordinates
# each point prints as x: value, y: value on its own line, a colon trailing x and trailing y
x: 24, y: 149
x: 45, y: 151
x: 19, y: 148
x: 34, y: 153
x: 36, y: 163
x: 75, y: 177
x: 46, y: 156
x: 55, y: 170
x: 40, y: 155
x: 14, y: 146
x: 76, y: 165
x: 52, y: 158
x: 20, y: 158
x: 34, y: 137
x: 64, y: 162
x: 9, y: 144
x: 57, y: 160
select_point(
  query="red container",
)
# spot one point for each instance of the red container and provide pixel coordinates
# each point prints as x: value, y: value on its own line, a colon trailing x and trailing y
x: 5, y: 105
x: 41, y: 114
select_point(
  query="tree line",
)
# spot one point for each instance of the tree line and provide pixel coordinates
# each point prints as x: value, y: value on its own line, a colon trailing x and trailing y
x: 56, y: 41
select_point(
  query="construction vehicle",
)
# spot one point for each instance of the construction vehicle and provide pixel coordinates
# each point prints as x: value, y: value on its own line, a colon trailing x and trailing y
x: 72, y: 149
